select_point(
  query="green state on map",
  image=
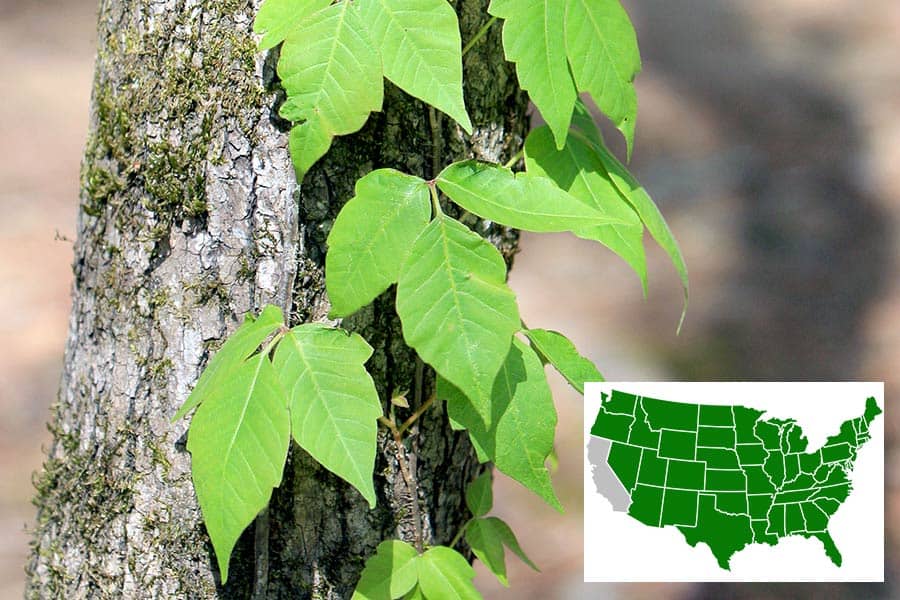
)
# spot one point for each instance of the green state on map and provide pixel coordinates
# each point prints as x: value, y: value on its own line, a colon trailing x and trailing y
x: 722, y: 475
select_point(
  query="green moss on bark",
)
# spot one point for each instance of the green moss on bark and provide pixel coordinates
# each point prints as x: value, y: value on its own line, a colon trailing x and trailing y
x: 153, y: 125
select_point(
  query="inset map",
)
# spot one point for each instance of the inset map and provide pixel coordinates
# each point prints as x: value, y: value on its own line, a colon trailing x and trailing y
x: 734, y: 469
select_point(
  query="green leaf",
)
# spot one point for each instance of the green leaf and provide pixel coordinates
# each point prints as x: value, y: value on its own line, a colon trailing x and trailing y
x: 389, y: 573
x: 583, y: 122
x: 649, y: 213
x: 603, y: 53
x: 521, y: 200
x: 276, y: 18
x: 487, y: 537
x: 444, y: 574
x: 332, y: 75
x: 523, y: 421
x: 446, y: 390
x: 238, y: 442
x: 534, y: 38
x: 479, y: 495
x: 420, y: 50
x: 333, y: 403
x: 371, y: 238
x: 562, y: 354
x: 239, y: 345
x: 502, y: 530
x: 456, y: 309
x: 488, y: 548
x: 637, y: 197
x: 578, y: 169
x: 307, y: 142
x: 415, y: 594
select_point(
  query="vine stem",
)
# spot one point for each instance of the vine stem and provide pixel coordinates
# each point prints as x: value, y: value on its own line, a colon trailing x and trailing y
x: 390, y: 425
x: 408, y: 478
x: 397, y: 432
x: 415, y: 416
x: 277, y: 338
x: 435, y: 201
x: 418, y: 382
x: 478, y: 35
x: 459, y: 534
x: 516, y: 158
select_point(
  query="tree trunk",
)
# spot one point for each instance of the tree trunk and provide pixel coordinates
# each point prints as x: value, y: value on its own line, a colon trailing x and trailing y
x: 190, y: 218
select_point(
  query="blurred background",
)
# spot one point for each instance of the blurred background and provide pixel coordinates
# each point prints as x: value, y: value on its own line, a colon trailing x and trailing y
x: 769, y: 134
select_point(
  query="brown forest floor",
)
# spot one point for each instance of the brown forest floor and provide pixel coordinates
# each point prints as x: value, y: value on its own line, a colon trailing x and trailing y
x: 769, y: 132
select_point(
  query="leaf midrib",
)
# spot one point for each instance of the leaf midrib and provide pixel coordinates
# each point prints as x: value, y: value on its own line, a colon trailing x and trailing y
x: 326, y: 72
x: 514, y: 414
x: 611, y: 59
x: 423, y: 65
x: 240, y: 421
x: 445, y: 246
x: 318, y: 388
x: 550, y: 69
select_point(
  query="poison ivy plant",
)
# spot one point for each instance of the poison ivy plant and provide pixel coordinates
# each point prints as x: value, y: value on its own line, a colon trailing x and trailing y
x: 603, y: 54
x: 415, y: 594
x: 456, y: 309
x: 276, y: 18
x: 315, y: 388
x: 562, y: 47
x: 556, y: 349
x: 444, y: 574
x: 519, y: 200
x: 523, y: 420
x: 269, y: 383
x: 238, y: 444
x: 389, y: 573
x: 240, y: 345
x: 534, y: 38
x: 332, y: 400
x: 372, y: 236
x: 332, y: 75
x: 335, y: 55
x: 479, y: 495
x: 420, y: 50
x: 578, y: 169
x: 653, y: 219
x: 634, y: 194
x: 488, y: 536
x: 397, y: 568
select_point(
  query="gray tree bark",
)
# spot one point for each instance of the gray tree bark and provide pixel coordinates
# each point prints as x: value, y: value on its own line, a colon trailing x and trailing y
x: 190, y: 218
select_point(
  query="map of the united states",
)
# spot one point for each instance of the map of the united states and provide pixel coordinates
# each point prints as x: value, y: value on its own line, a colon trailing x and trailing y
x: 722, y: 475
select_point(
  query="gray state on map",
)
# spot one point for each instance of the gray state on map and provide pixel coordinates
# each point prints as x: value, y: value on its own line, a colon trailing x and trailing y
x: 606, y: 481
